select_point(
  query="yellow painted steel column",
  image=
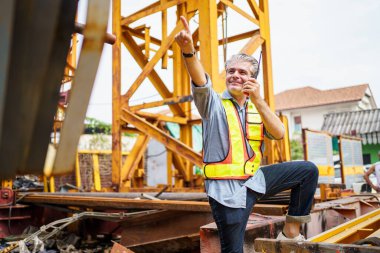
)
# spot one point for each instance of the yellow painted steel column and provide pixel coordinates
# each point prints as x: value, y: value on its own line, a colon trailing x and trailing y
x: 169, y: 164
x: 78, y: 178
x: 96, y: 171
x: 51, y: 184
x: 184, y: 89
x: 285, y: 142
x: 267, y: 72
x: 164, y: 30
x: 116, y: 95
x: 342, y: 174
x: 208, y: 38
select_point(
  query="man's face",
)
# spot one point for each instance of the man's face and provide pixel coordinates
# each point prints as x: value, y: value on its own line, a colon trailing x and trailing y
x: 237, y: 74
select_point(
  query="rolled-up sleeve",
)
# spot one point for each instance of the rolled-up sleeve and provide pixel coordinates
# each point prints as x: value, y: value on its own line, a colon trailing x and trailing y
x: 203, y: 97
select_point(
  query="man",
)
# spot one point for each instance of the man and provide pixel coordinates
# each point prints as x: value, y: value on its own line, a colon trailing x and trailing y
x: 375, y: 168
x: 232, y: 154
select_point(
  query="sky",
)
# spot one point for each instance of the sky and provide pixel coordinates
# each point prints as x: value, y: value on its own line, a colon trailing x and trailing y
x: 325, y: 44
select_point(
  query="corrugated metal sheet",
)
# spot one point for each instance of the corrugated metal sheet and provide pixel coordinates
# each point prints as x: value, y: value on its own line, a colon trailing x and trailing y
x: 364, y: 124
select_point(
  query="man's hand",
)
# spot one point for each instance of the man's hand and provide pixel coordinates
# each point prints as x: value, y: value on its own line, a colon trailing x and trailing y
x: 184, y: 38
x: 251, y: 88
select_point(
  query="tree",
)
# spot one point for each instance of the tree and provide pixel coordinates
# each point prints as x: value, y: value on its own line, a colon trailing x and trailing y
x: 296, y: 150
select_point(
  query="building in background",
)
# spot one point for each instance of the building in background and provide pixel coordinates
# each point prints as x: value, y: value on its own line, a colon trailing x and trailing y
x: 364, y: 124
x: 306, y: 107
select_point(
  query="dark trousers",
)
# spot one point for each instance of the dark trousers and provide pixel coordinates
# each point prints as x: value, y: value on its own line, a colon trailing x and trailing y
x: 299, y: 176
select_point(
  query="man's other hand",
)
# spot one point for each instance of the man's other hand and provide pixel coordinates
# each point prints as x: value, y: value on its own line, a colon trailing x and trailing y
x: 184, y: 38
x: 251, y: 88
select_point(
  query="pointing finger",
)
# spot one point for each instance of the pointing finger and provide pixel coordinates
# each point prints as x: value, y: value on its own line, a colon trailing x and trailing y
x: 185, y: 24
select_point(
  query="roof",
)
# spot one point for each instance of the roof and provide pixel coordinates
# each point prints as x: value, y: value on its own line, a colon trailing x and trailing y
x: 364, y: 124
x: 309, y: 96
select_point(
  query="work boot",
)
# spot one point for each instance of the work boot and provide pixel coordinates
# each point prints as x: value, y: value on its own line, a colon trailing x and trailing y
x: 298, y: 238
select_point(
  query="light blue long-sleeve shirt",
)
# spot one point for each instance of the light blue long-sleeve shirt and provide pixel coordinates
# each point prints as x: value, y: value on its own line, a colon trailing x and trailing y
x: 231, y: 193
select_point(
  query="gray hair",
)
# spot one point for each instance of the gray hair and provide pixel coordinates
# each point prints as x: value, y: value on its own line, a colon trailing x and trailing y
x: 245, y: 58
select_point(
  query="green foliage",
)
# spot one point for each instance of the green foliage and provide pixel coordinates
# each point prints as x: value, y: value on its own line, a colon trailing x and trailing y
x: 93, y: 126
x: 296, y: 150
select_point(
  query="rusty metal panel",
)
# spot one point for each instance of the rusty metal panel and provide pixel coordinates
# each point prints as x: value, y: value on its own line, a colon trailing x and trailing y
x: 174, y: 231
x: 40, y: 43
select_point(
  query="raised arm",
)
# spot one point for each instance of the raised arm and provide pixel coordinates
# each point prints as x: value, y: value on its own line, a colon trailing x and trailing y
x: 193, y: 65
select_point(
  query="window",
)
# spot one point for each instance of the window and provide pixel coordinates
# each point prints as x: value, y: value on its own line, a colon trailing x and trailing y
x: 297, y: 124
x: 367, y: 159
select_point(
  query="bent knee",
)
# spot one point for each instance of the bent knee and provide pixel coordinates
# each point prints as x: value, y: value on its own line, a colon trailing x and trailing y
x: 312, y: 168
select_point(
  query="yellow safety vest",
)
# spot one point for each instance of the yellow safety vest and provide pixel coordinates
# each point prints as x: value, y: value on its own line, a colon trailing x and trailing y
x: 237, y: 164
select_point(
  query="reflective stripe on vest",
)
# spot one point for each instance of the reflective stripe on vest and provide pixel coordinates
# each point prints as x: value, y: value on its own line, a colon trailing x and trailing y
x: 237, y: 164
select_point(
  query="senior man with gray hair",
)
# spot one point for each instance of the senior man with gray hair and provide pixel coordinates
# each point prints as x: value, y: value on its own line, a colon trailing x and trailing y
x: 234, y: 125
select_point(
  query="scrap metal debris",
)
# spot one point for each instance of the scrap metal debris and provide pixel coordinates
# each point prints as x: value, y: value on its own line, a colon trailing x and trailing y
x: 41, y: 239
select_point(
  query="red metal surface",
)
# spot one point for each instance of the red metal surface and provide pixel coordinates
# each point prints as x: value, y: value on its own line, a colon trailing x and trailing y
x: 14, y: 219
x: 7, y: 197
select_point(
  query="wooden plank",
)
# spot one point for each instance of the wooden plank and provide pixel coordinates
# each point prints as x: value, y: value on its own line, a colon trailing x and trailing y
x: 150, y: 65
x: 93, y: 42
x: 149, y: 10
x: 133, y: 48
x: 154, y: 132
x: 288, y: 246
x: 240, y: 11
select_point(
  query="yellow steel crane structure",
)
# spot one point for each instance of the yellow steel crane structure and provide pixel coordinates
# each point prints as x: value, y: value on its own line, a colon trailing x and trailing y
x: 180, y: 154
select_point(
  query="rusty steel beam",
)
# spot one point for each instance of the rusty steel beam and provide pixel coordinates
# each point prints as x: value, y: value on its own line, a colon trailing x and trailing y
x: 167, y: 101
x: 149, y: 10
x: 141, y: 35
x: 139, y: 57
x: 117, y: 203
x: 150, y: 65
x: 109, y: 38
x: 121, y: 201
x: 93, y: 42
x: 162, y: 117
